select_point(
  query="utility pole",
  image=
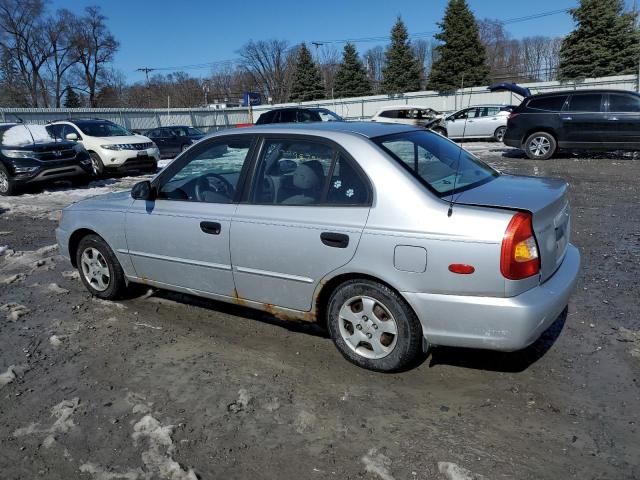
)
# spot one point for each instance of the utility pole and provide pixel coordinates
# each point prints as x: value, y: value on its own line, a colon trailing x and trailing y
x: 146, y: 71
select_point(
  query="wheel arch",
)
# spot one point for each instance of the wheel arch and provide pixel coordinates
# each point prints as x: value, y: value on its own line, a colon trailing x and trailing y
x: 74, y: 241
x: 328, y: 286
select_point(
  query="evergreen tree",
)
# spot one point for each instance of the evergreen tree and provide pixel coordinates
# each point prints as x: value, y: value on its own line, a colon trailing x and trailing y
x: 401, y: 72
x: 351, y: 78
x: 71, y: 99
x: 605, y: 41
x: 461, y: 56
x: 306, y: 83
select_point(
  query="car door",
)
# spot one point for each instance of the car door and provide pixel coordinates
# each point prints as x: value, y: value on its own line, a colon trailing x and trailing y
x: 487, y: 122
x: 181, y: 238
x: 302, y: 219
x: 161, y: 140
x: 583, y: 119
x: 458, y: 123
x: 623, y: 118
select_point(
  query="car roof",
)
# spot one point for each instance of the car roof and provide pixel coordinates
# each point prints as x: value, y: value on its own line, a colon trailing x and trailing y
x: 586, y: 90
x: 364, y: 129
x: 405, y: 107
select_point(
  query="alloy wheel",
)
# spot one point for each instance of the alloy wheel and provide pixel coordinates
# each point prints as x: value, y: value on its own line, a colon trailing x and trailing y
x: 95, y: 269
x: 539, y: 146
x: 368, y: 327
x: 4, y: 182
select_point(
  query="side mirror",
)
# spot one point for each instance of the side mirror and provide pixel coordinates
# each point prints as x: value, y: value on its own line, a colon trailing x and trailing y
x: 142, y: 191
x: 72, y: 136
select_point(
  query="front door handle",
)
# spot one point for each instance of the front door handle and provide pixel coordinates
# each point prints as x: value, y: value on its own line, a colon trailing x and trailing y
x: 567, y: 118
x: 212, y: 228
x: 335, y: 240
x: 613, y: 119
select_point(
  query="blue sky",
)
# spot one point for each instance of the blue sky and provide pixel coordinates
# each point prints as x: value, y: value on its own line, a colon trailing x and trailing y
x: 162, y: 33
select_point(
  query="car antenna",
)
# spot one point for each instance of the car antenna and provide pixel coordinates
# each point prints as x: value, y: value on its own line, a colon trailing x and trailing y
x: 455, y: 178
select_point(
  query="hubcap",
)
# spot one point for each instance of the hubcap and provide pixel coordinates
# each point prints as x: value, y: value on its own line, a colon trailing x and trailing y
x: 94, y: 165
x: 4, y: 182
x: 95, y: 269
x: 367, y: 327
x: 540, y: 146
x: 500, y: 134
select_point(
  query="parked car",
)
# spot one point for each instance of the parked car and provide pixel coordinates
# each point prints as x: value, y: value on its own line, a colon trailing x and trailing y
x: 583, y: 119
x: 391, y: 234
x: 112, y: 147
x: 298, y: 114
x: 481, y: 121
x: 411, y: 115
x: 173, y: 140
x: 28, y: 155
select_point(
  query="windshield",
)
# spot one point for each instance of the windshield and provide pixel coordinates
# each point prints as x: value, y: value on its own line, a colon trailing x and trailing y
x: 102, y: 129
x: 194, y: 131
x: 328, y: 116
x: 441, y: 165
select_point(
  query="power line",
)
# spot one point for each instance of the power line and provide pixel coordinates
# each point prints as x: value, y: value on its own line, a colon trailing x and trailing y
x: 417, y: 35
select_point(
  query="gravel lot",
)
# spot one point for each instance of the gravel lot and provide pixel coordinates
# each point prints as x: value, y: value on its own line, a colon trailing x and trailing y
x: 164, y: 386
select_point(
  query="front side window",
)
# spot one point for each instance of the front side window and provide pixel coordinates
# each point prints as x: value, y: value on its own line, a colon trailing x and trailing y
x: 589, y: 102
x: 304, y: 172
x: 441, y: 165
x: 194, y: 131
x: 624, y: 103
x: 211, y: 173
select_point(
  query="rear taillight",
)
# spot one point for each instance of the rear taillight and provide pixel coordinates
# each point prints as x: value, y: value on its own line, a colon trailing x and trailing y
x: 519, y: 257
x: 244, y: 125
x: 513, y: 115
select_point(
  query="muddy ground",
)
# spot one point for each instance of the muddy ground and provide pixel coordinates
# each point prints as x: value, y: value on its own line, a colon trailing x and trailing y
x: 164, y: 386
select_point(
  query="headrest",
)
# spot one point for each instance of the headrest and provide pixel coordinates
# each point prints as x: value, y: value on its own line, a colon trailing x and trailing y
x: 305, y: 178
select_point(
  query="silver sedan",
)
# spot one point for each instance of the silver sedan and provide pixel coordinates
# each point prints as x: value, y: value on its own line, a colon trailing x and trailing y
x: 392, y: 236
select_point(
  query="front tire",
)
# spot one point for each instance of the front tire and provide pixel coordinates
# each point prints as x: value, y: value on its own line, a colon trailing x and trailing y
x: 498, y: 135
x: 8, y: 185
x: 99, y: 268
x: 96, y: 165
x: 540, y: 146
x: 373, y: 327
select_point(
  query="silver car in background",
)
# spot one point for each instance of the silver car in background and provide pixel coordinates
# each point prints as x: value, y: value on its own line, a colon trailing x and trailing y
x: 392, y: 235
x: 481, y: 121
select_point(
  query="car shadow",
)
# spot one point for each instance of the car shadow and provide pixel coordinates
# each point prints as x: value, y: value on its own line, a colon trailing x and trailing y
x: 508, y: 362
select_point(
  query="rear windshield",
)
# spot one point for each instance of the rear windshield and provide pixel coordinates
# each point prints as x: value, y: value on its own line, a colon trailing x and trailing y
x: 102, y: 129
x: 441, y: 165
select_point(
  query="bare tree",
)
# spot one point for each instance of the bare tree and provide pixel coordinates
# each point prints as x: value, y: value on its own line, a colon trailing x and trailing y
x: 328, y: 58
x: 95, y: 47
x: 270, y: 64
x: 22, y: 36
x: 374, y: 59
x: 63, y: 55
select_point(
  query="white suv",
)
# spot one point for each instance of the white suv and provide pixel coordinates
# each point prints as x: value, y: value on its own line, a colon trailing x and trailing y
x: 111, y: 146
x: 407, y: 114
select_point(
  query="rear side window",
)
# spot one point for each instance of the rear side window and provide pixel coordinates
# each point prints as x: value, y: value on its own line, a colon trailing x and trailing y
x: 624, y: 103
x: 549, y: 104
x: 308, y: 116
x: 389, y: 114
x: 587, y: 102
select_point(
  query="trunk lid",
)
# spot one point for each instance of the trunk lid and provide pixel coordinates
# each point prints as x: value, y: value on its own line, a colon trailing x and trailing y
x: 545, y: 198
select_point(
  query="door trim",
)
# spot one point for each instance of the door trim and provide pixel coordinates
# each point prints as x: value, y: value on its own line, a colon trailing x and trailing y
x: 186, y: 261
x: 267, y: 273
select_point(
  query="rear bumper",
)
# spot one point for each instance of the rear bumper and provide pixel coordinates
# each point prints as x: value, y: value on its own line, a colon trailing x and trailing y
x: 512, y: 141
x: 493, y: 323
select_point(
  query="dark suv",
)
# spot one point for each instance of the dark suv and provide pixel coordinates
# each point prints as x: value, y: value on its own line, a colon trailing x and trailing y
x: 581, y: 119
x: 29, y: 155
x: 298, y: 114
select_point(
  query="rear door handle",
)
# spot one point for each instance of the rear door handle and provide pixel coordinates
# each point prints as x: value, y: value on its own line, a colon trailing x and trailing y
x: 212, y: 228
x: 613, y: 119
x: 335, y: 240
x: 567, y: 118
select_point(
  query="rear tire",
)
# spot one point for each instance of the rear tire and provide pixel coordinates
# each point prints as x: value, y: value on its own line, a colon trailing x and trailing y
x: 498, y: 135
x: 99, y: 268
x: 8, y: 185
x: 373, y: 327
x: 540, y: 146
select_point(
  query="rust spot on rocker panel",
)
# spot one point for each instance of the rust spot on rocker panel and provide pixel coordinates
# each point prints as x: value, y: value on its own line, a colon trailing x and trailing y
x: 277, y: 312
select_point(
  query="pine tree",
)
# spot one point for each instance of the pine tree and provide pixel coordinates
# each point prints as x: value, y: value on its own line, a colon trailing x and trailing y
x: 71, y: 99
x: 461, y: 57
x: 306, y: 83
x: 605, y: 41
x: 401, y: 72
x: 351, y: 78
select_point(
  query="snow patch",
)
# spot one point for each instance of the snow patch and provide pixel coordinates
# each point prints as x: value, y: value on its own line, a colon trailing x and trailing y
x: 22, y: 264
x: 108, y: 303
x: 99, y: 473
x: 55, y: 341
x: 139, y: 324
x: 3, y: 249
x: 22, y: 135
x: 8, y: 376
x: 378, y: 464
x: 62, y: 412
x: 453, y: 471
x: 241, y: 403
x: 14, y: 311
x: 56, y: 289
x: 16, y: 277
x: 71, y: 274
x: 305, y: 421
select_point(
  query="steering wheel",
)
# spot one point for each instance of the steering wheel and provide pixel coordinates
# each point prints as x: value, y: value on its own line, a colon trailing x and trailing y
x: 213, y: 182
